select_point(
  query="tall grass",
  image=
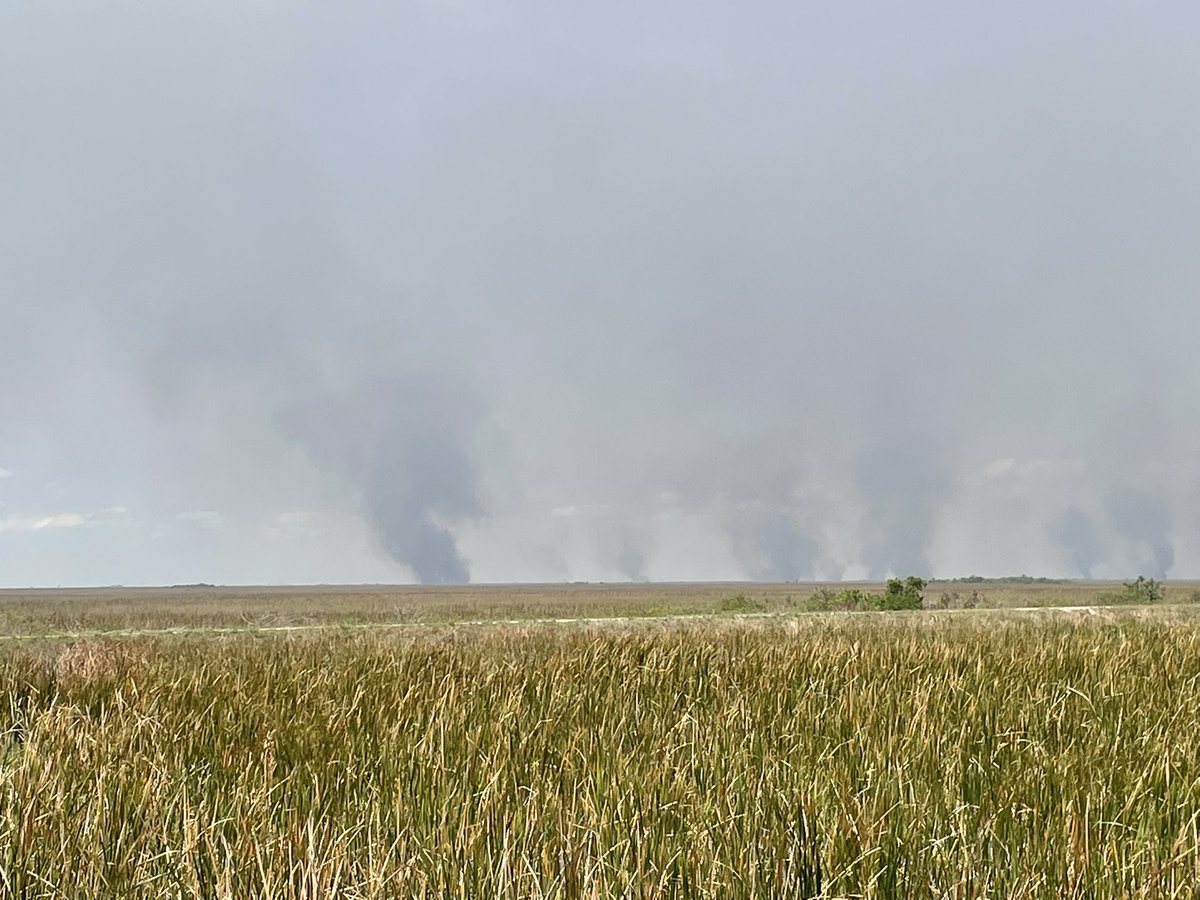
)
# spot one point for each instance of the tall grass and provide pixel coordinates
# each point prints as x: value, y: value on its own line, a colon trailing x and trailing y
x: 857, y: 757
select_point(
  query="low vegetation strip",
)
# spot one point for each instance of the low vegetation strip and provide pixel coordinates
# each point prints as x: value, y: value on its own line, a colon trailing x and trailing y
x: 103, y: 610
x: 880, y: 756
x: 737, y: 608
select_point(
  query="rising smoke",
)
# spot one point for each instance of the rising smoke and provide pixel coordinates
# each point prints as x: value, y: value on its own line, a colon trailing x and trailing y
x: 1077, y: 535
x: 795, y: 279
x: 1144, y: 523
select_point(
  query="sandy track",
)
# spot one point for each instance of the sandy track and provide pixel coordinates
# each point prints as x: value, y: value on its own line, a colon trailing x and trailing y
x: 603, y: 621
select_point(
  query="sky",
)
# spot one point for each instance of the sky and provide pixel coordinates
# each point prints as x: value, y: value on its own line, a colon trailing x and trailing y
x: 527, y: 291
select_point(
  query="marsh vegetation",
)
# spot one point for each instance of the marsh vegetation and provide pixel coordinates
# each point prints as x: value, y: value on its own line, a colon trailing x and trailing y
x: 890, y: 755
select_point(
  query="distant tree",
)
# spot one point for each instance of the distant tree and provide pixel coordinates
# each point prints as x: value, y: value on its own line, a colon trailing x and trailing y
x: 904, y: 594
x: 1144, y: 590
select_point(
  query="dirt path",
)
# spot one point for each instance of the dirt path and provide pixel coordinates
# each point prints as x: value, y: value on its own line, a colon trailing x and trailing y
x: 610, y: 621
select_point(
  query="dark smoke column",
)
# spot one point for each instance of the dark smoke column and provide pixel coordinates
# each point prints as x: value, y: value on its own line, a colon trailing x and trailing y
x: 406, y: 500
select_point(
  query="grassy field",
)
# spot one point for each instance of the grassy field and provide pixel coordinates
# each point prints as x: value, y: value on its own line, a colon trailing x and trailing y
x: 927, y: 754
x: 25, y: 612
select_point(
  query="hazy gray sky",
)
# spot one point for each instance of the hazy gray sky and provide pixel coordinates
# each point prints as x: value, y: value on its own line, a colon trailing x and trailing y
x: 543, y: 291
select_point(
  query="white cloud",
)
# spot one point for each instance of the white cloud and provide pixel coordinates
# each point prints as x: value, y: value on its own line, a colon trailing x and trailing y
x: 580, y: 509
x: 39, y: 523
x: 1010, y: 466
x: 113, y: 516
x: 207, y: 517
x: 5, y: 473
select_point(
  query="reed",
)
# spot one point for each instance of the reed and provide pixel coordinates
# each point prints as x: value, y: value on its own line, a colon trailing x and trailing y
x: 872, y: 756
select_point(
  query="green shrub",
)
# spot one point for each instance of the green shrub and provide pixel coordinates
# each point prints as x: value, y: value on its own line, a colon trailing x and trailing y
x: 823, y: 599
x: 898, y: 594
x: 740, y: 603
x: 1143, y: 591
x: 853, y: 598
x: 901, y: 594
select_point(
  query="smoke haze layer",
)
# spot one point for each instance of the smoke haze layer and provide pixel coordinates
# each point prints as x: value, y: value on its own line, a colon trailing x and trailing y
x: 444, y: 292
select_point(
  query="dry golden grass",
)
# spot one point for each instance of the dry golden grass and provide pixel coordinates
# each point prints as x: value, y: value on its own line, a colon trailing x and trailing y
x: 990, y: 754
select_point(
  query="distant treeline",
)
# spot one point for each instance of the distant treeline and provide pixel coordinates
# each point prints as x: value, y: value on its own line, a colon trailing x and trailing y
x: 1007, y: 579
